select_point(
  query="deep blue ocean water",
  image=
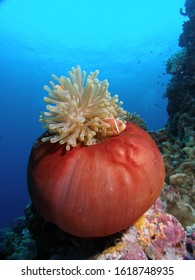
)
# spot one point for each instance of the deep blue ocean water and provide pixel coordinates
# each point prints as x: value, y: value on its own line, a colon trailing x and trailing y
x: 128, y: 41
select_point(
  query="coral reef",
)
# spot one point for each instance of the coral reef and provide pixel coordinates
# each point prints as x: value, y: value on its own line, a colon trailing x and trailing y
x: 179, y: 191
x: 177, y: 140
x: 16, y: 242
x: 190, y: 242
x: 178, y: 205
x: 176, y: 63
x: 156, y: 235
x: 136, y: 119
x: 190, y: 8
x: 125, y: 249
x: 181, y: 88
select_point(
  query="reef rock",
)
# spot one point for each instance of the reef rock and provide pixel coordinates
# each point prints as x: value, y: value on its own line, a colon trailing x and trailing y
x: 190, y: 242
x: 181, y: 88
x: 156, y: 235
x: 178, y: 205
x: 179, y: 191
x: 16, y: 243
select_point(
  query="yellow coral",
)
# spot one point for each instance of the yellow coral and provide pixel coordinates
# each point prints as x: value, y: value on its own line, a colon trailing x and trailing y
x: 113, y: 249
x: 149, y: 229
x: 77, y: 111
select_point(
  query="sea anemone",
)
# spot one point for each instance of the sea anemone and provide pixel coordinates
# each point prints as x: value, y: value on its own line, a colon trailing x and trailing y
x: 81, y: 112
x: 81, y: 178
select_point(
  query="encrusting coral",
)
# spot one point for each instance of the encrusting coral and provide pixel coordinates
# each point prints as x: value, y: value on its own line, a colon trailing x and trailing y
x: 81, y: 112
x: 176, y: 62
x: 156, y: 235
x: 136, y: 119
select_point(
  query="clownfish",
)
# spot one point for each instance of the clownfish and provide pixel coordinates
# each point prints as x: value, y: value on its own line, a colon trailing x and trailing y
x: 59, y: 87
x: 116, y: 126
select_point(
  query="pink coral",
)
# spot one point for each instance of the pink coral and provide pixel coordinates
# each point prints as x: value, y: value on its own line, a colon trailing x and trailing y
x: 156, y: 235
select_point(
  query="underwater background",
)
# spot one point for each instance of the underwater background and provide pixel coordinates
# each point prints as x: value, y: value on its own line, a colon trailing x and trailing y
x: 128, y: 41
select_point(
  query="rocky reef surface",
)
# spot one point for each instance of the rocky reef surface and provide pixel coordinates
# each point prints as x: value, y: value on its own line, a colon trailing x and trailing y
x: 167, y: 229
x: 156, y: 235
x: 177, y: 140
x: 181, y: 88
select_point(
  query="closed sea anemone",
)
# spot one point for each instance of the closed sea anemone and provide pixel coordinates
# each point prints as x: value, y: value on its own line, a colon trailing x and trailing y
x: 79, y: 112
x: 91, y: 173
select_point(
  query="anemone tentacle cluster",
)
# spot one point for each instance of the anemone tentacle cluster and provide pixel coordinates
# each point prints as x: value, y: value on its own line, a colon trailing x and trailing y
x: 77, y: 110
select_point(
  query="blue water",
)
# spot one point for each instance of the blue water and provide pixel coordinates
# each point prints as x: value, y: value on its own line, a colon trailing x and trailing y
x: 128, y: 41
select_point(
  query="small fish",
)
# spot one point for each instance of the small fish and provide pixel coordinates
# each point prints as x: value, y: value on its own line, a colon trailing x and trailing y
x: 116, y: 126
x: 59, y: 87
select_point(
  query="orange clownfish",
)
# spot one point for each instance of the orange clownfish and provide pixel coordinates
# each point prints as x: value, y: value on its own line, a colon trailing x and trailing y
x: 59, y: 87
x: 116, y: 126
